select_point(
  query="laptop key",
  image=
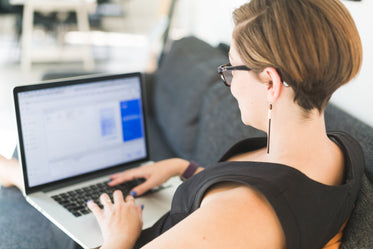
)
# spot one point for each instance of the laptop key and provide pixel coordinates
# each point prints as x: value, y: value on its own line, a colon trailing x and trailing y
x: 85, y: 212
x: 77, y: 214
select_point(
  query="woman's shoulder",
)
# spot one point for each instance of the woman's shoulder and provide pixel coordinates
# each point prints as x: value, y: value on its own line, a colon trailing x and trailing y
x: 244, y: 207
x: 239, y: 211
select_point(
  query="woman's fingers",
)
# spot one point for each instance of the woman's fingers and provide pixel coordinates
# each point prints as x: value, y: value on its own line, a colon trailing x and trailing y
x: 96, y: 210
x: 118, y: 218
x: 140, y: 209
x: 139, y: 189
x: 120, y: 178
x: 118, y: 197
x: 125, y: 176
x: 106, y: 201
x: 143, y: 188
x: 130, y: 200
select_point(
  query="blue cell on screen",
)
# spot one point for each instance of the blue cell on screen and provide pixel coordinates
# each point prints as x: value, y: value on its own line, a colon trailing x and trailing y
x: 131, y: 119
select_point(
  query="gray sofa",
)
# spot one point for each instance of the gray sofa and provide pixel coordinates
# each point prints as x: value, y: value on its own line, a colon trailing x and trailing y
x: 194, y: 116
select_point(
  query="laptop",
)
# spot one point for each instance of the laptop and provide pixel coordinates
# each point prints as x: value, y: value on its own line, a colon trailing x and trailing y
x: 73, y: 134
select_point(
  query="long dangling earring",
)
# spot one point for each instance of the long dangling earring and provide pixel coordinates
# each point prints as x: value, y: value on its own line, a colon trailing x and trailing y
x: 269, y: 126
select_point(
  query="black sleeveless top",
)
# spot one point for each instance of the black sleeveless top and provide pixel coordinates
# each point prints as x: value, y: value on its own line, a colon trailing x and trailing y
x: 310, y: 212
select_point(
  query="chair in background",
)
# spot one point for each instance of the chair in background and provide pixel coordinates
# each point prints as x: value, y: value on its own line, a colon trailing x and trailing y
x: 61, y: 53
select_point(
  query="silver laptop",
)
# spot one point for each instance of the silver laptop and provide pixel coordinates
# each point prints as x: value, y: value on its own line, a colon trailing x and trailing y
x: 73, y: 134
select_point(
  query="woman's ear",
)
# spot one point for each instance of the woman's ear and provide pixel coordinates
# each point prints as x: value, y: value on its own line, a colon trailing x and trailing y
x: 273, y: 83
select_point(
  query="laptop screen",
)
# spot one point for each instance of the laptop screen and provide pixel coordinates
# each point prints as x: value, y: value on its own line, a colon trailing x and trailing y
x: 81, y: 127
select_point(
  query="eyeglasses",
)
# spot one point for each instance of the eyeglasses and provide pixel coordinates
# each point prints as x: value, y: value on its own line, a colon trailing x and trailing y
x: 225, y: 72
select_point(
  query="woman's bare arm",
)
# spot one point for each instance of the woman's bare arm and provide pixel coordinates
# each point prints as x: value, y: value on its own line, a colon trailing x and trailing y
x: 239, y: 217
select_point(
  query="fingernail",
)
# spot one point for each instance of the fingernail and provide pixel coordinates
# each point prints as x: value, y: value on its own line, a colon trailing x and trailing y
x: 133, y: 193
x: 142, y: 206
x: 88, y: 201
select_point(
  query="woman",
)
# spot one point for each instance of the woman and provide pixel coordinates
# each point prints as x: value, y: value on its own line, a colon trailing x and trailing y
x: 294, y: 189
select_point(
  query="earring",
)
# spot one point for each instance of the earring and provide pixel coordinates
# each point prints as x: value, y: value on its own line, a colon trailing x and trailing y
x: 269, y: 127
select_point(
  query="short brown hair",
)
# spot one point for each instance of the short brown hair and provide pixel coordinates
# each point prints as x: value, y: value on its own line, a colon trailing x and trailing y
x: 313, y: 44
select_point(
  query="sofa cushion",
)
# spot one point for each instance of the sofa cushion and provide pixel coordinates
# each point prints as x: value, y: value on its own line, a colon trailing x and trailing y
x: 180, y: 84
x: 158, y: 147
x: 22, y: 226
x: 220, y: 125
x: 359, y: 230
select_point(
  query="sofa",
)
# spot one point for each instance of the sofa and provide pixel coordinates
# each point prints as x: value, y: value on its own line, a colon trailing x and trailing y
x: 192, y: 114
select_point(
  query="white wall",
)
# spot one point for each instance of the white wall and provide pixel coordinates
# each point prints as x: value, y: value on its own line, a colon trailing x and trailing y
x: 211, y: 20
x: 357, y: 96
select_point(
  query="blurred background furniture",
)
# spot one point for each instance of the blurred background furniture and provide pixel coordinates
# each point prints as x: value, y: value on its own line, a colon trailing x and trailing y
x: 147, y: 42
x: 62, y: 52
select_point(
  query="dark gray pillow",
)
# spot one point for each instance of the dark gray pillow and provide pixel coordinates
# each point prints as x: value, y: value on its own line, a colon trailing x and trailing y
x: 358, y: 233
x: 180, y: 84
x: 220, y: 125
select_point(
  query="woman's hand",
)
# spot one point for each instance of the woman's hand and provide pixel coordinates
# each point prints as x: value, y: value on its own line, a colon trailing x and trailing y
x: 120, y: 222
x: 155, y: 174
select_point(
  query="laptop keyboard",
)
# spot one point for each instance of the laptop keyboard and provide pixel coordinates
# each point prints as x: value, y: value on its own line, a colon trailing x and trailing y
x: 75, y: 201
